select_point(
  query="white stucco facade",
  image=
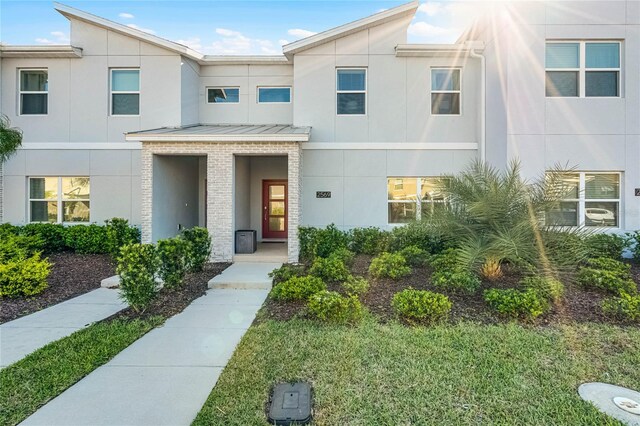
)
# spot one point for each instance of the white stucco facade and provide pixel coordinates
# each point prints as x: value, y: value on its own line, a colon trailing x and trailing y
x: 504, y: 114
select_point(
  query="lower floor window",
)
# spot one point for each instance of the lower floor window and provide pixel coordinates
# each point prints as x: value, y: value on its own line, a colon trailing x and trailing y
x: 413, y: 198
x: 59, y: 199
x: 590, y: 199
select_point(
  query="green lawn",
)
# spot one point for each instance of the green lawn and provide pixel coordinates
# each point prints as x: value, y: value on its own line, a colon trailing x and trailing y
x: 391, y: 374
x: 41, y: 376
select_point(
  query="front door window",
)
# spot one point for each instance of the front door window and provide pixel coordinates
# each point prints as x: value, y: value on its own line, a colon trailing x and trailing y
x: 274, y: 208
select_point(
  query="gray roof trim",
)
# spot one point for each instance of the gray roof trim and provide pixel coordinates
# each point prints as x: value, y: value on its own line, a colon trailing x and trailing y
x: 223, y: 133
x: 55, y: 51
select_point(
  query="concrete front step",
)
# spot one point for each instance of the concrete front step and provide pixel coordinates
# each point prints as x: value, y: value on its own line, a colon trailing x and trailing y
x: 245, y: 275
x: 259, y: 258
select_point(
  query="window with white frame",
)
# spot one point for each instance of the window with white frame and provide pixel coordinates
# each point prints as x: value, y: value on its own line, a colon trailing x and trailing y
x: 583, y: 68
x: 125, y: 92
x: 274, y: 95
x: 34, y: 92
x: 413, y: 198
x: 223, y: 95
x: 61, y: 199
x: 351, y: 87
x: 591, y: 199
x: 445, y: 91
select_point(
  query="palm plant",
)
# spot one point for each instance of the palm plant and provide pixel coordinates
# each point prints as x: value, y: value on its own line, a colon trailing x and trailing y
x: 497, y: 217
x: 10, y: 139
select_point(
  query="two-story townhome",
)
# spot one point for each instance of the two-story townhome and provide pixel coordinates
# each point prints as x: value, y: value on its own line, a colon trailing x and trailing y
x: 349, y: 126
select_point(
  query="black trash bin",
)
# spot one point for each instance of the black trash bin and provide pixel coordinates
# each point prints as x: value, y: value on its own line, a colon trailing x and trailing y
x: 246, y: 241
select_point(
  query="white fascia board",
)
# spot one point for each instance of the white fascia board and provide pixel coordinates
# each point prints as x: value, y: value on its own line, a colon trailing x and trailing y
x: 133, y: 137
x: 244, y: 60
x: 437, y: 50
x: 391, y: 145
x: 350, y: 28
x: 51, y: 51
x: 70, y: 12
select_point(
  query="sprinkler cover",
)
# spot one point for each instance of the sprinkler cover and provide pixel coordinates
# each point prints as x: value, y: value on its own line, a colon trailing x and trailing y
x: 290, y: 404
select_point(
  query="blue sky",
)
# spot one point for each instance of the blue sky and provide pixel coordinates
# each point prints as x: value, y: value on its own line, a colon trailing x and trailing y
x: 227, y: 27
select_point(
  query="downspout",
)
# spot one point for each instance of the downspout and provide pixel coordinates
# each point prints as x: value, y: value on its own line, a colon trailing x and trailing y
x: 483, y: 103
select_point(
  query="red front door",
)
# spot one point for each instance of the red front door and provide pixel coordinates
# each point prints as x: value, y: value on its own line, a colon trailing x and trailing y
x: 274, y: 209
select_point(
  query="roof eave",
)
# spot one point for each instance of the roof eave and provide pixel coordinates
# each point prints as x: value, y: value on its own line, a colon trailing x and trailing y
x: 244, y: 60
x: 438, y: 50
x: 49, y: 51
x: 292, y: 137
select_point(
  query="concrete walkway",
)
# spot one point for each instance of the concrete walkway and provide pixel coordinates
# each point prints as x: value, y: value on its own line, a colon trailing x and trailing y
x: 165, y: 377
x: 20, y: 337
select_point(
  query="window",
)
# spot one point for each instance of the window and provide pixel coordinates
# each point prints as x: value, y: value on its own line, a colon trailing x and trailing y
x: 274, y: 95
x: 34, y: 92
x: 582, y: 69
x: 223, y: 95
x: 591, y: 199
x: 351, y: 91
x: 445, y: 91
x: 413, y: 198
x: 125, y: 92
x: 59, y: 199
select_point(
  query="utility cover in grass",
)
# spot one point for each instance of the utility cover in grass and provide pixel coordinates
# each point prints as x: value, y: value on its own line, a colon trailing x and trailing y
x: 616, y: 401
x: 290, y: 404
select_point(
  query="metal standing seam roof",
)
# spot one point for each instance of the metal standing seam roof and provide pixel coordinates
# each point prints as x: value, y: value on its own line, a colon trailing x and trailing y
x: 223, y: 133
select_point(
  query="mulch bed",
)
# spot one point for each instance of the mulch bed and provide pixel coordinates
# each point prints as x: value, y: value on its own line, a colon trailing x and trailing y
x: 71, y: 275
x: 578, y: 305
x: 170, y: 302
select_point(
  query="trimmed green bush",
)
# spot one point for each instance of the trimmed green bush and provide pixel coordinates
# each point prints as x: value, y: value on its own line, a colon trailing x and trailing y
x: 137, y: 267
x: 330, y: 306
x: 355, y: 286
x: 172, y: 254
x: 415, y: 256
x: 549, y: 288
x: 370, y: 240
x: 516, y: 303
x: 607, y: 274
x: 420, y: 234
x: 447, y: 260
x: 286, y: 272
x: 51, y: 234
x: 605, y: 245
x: 633, y: 243
x: 86, y: 239
x: 455, y: 280
x: 24, y: 276
x: 625, y: 307
x: 298, y: 288
x: 317, y: 242
x: 421, y: 305
x: 198, y: 247
x: 330, y: 269
x: 390, y: 265
x: 344, y: 254
x: 118, y: 233
x: 18, y: 246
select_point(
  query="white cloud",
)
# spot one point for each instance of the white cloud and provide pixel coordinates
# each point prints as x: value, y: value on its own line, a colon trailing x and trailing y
x: 125, y: 15
x: 426, y: 30
x: 59, y: 37
x: 431, y: 9
x: 146, y: 30
x: 235, y: 43
x: 227, y: 33
x: 300, y: 33
x: 282, y: 42
x: 192, y: 42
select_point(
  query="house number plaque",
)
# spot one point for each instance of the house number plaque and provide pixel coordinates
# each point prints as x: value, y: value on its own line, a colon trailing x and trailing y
x: 323, y: 194
x: 637, y: 192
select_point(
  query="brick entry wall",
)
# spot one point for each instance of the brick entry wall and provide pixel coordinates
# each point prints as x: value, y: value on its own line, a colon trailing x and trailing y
x: 220, y: 160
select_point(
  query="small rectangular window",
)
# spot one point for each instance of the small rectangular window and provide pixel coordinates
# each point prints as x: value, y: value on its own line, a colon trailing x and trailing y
x: 351, y: 85
x: 413, y: 198
x: 34, y: 92
x: 59, y: 199
x: 274, y: 95
x: 125, y: 92
x: 445, y: 91
x: 223, y: 95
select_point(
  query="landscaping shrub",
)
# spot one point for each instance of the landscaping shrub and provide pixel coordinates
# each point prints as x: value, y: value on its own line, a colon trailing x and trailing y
x: 447, y: 259
x: 286, y: 272
x: 355, y: 286
x: 316, y: 242
x: 607, y: 274
x: 137, y: 267
x: 18, y: 246
x: 391, y: 265
x: 331, y: 269
x: 344, y: 254
x: 51, y: 234
x: 86, y: 239
x: 549, y: 288
x: 9, y: 229
x: 330, y: 306
x: 24, y: 276
x: 415, y: 256
x: 118, y: 233
x: 455, y: 280
x: 605, y: 245
x: 625, y: 307
x: 370, y: 240
x: 633, y: 242
x: 516, y: 303
x: 198, y: 247
x: 420, y: 234
x: 298, y: 288
x: 421, y: 305
x: 172, y: 254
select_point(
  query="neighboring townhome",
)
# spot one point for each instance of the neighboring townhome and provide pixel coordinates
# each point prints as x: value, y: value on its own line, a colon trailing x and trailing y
x: 349, y: 126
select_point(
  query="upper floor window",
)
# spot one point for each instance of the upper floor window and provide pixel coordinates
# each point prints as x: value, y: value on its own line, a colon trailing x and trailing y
x: 59, y: 199
x: 274, y: 95
x: 351, y: 91
x: 125, y: 92
x: 445, y: 91
x: 413, y: 198
x: 34, y: 92
x: 219, y: 95
x: 582, y: 69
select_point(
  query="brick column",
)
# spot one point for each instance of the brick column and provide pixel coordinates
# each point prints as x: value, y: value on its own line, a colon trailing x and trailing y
x: 294, y: 166
x: 146, y: 176
x: 220, y: 201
